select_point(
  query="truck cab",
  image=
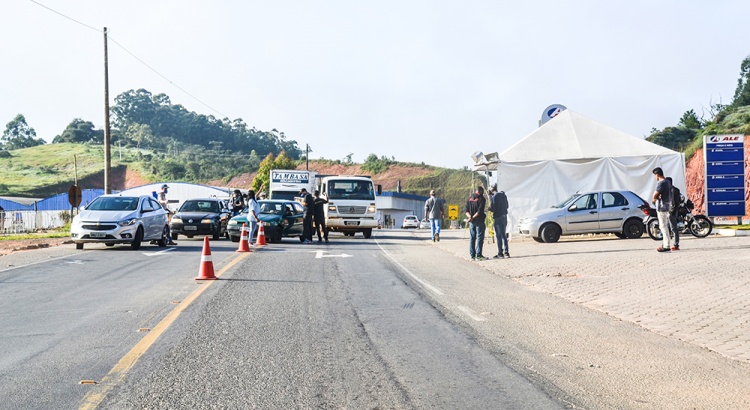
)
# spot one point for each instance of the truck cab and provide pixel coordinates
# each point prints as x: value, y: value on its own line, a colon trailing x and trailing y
x: 351, y: 204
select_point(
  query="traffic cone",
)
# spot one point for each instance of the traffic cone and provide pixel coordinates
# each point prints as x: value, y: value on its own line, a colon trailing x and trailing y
x: 261, y: 241
x: 243, y: 240
x: 206, y: 271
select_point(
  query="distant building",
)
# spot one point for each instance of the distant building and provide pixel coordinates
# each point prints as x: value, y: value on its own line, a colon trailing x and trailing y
x: 394, y: 206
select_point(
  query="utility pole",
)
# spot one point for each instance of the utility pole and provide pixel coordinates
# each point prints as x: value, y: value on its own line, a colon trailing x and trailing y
x: 307, y: 157
x: 107, y: 153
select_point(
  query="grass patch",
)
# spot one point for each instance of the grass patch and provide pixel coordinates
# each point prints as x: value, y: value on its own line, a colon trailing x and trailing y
x: 45, y: 235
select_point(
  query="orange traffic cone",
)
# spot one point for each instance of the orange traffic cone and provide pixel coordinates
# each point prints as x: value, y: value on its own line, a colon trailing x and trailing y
x: 206, y: 271
x: 243, y: 240
x: 261, y: 236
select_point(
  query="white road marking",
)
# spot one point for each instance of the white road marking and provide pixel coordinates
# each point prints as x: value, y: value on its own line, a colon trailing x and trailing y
x: 470, y: 313
x: 433, y: 289
x: 75, y: 262
x: 159, y: 253
x: 319, y: 254
x: 36, y: 263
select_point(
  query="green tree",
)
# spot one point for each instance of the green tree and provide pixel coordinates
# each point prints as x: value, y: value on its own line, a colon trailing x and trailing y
x: 263, y: 177
x: 80, y: 131
x: 675, y: 138
x: 690, y: 120
x: 742, y: 93
x: 18, y: 135
x: 139, y: 134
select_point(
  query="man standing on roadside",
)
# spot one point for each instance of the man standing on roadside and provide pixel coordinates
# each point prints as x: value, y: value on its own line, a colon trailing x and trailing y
x: 309, y: 203
x: 499, y: 208
x: 433, y: 210
x: 475, y: 214
x: 663, y: 201
x: 676, y: 201
x: 320, y: 216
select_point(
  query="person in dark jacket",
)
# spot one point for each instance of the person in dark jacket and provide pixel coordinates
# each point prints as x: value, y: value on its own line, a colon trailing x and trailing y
x: 676, y: 201
x: 475, y: 217
x: 499, y: 208
x: 320, y: 216
x: 307, y: 224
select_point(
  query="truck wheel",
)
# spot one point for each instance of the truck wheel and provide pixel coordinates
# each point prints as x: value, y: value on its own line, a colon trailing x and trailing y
x: 367, y: 233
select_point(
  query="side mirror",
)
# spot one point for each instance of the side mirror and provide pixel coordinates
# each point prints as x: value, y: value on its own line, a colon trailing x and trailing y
x: 380, y: 189
x: 573, y: 208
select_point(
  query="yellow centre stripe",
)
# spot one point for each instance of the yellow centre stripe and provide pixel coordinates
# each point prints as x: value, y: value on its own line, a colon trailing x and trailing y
x: 115, y: 376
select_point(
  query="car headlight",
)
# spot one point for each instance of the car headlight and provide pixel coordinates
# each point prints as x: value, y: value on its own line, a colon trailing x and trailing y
x: 207, y: 221
x: 176, y: 220
x: 232, y: 222
x: 332, y: 208
x: 371, y: 209
x: 128, y: 222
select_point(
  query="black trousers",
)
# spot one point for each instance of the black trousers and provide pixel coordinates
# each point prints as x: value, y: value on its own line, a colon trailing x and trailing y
x: 307, y: 226
x: 320, y: 227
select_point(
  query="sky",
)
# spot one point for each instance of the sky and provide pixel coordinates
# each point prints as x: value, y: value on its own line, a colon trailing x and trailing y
x: 423, y: 81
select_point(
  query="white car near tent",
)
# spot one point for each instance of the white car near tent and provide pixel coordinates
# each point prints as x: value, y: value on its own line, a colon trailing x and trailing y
x: 571, y: 153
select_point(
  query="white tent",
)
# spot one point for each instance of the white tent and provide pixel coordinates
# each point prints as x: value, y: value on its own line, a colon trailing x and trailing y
x: 572, y: 153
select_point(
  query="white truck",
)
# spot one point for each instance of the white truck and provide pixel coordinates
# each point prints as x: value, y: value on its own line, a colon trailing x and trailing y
x: 351, y: 198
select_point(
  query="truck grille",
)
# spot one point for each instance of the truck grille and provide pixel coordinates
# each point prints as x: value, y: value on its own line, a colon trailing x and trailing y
x: 352, y: 210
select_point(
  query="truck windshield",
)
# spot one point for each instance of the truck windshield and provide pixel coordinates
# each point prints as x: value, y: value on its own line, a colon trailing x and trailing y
x: 350, y: 189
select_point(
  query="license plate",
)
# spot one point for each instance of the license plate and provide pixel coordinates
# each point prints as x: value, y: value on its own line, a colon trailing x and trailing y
x: 98, y: 234
x: 191, y: 228
x: 350, y: 223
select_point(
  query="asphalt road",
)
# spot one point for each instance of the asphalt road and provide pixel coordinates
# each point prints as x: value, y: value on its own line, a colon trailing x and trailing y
x: 345, y: 325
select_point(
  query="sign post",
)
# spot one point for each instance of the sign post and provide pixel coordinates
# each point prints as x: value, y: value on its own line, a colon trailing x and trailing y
x: 74, y: 198
x: 725, y: 175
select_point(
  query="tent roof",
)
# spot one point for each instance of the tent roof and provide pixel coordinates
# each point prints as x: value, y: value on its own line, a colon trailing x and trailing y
x: 571, y: 136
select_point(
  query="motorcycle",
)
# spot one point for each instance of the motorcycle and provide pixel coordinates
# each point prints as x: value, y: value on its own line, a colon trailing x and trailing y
x: 697, y: 225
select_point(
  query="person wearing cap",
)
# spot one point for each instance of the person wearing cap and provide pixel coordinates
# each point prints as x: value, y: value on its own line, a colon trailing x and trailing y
x: 433, y: 210
x: 307, y: 223
x: 163, y: 201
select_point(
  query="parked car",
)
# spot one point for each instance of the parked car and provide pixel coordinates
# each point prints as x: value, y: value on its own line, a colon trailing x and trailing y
x: 410, y: 221
x: 113, y: 219
x: 201, y: 216
x: 424, y: 224
x: 280, y: 219
x: 608, y: 211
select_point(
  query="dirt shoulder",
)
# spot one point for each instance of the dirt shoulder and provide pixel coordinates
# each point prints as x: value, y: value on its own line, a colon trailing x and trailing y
x: 10, y: 246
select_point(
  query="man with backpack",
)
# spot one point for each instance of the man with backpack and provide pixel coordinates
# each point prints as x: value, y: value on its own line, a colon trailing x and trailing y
x: 676, y: 201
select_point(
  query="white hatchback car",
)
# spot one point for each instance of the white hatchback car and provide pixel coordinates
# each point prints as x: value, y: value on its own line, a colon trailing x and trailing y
x: 111, y: 219
x: 609, y: 211
x: 410, y: 221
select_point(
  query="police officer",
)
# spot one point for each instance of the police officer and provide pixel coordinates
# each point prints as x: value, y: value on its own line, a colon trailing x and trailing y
x: 320, y: 216
x: 309, y: 204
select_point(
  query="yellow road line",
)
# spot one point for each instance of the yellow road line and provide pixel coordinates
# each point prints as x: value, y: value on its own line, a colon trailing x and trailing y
x: 115, y: 376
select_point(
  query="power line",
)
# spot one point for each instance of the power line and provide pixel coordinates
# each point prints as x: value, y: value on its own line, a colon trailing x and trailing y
x: 134, y: 56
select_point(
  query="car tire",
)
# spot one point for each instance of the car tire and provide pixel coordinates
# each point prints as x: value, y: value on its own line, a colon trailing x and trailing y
x: 175, y: 236
x: 633, y: 229
x: 136, y: 244
x: 367, y: 233
x: 234, y: 238
x: 216, y: 235
x: 79, y: 246
x: 109, y: 245
x: 162, y: 242
x: 550, y: 233
x: 537, y: 239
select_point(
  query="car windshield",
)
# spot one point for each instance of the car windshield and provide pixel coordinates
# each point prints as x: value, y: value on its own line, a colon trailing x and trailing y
x: 271, y: 208
x: 200, y: 206
x: 566, y: 202
x: 350, y: 189
x: 114, y: 203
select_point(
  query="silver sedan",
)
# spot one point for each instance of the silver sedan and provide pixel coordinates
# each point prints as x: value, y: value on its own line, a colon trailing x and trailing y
x: 608, y: 211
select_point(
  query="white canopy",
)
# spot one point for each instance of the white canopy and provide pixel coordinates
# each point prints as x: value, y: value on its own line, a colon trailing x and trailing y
x: 572, y: 153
